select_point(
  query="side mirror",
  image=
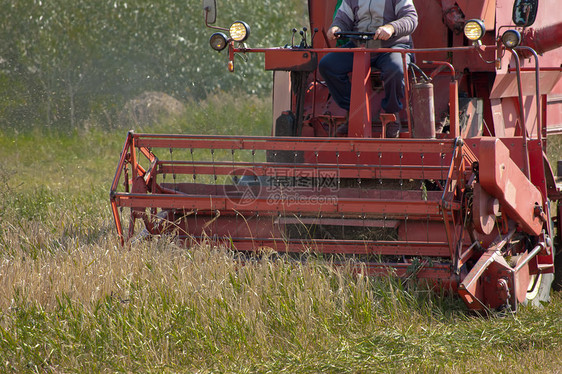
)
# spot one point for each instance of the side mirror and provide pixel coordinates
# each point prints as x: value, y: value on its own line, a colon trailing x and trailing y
x: 210, y: 9
x: 525, y: 12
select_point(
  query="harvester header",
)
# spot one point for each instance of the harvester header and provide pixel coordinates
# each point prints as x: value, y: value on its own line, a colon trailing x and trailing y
x: 462, y: 194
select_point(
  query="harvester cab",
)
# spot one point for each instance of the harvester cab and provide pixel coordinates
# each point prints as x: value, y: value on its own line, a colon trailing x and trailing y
x: 465, y: 197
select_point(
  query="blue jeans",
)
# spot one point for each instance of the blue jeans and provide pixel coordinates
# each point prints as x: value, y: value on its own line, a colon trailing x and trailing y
x: 335, y: 67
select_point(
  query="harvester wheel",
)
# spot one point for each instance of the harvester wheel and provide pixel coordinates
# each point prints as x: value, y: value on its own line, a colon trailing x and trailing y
x: 539, y: 290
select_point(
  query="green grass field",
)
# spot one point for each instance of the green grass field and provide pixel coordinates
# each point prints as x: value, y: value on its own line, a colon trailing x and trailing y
x: 73, y: 300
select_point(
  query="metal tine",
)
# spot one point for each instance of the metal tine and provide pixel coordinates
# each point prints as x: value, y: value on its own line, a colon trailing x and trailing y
x: 422, y: 184
x: 380, y: 175
x: 235, y: 178
x: 319, y: 181
x: 194, y: 177
x: 363, y: 219
x: 295, y: 176
x: 338, y: 169
x: 442, y: 164
x: 401, y: 182
x: 193, y: 165
x: 172, y: 163
x: 282, y: 226
x: 214, y: 170
x: 254, y: 171
x: 427, y: 231
x: 343, y: 227
x: 359, y: 181
x: 339, y: 188
x: 275, y: 181
x: 406, y: 228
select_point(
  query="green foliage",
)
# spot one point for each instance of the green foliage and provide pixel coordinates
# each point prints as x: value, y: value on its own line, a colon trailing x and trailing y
x: 64, y: 62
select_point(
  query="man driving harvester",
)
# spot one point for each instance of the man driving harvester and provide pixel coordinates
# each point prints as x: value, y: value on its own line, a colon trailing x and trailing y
x: 391, y: 23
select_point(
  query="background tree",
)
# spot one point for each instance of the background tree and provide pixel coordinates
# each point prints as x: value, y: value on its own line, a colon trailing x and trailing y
x: 62, y: 62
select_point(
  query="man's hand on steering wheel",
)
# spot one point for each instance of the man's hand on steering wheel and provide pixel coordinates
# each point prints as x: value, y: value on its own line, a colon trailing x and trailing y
x: 332, y: 31
x: 384, y: 32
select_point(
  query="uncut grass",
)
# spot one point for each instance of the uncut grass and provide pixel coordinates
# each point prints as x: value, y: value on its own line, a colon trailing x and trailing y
x: 73, y: 300
x: 157, y: 306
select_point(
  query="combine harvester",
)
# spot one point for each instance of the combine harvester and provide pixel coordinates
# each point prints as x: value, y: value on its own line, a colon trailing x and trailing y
x: 465, y: 197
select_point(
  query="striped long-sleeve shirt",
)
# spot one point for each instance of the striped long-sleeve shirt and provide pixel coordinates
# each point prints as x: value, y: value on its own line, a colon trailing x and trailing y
x: 368, y: 15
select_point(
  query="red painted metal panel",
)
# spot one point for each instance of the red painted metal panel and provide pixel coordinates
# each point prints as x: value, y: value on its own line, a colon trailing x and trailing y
x: 484, y: 10
x: 372, y: 171
x: 505, y: 85
x: 501, y: 178
x: 357, y: 247
x: 290, y: 59
x: 360, y: 116
x: 320, y: 14
x: 430, y: 37
x: 297, y: 144
x: 283, y: 203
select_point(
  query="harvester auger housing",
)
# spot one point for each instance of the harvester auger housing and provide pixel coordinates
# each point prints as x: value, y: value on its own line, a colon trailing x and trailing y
x: 465, y: 197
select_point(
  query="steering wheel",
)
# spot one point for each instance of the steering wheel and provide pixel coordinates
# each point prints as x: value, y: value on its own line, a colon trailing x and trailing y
x: 357, y: 35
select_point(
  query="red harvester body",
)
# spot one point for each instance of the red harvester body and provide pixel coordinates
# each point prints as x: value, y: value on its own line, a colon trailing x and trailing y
x: 465, y: 197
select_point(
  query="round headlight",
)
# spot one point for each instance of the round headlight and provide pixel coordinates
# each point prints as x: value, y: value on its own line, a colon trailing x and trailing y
x: 218, y: 41
x: 474, y: 29
x: 511, y: 38
x: 239, y: 31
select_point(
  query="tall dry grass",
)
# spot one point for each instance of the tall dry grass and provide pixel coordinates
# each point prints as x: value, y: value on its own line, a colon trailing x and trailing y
x: 73, y: 300
x: 79, y: 306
